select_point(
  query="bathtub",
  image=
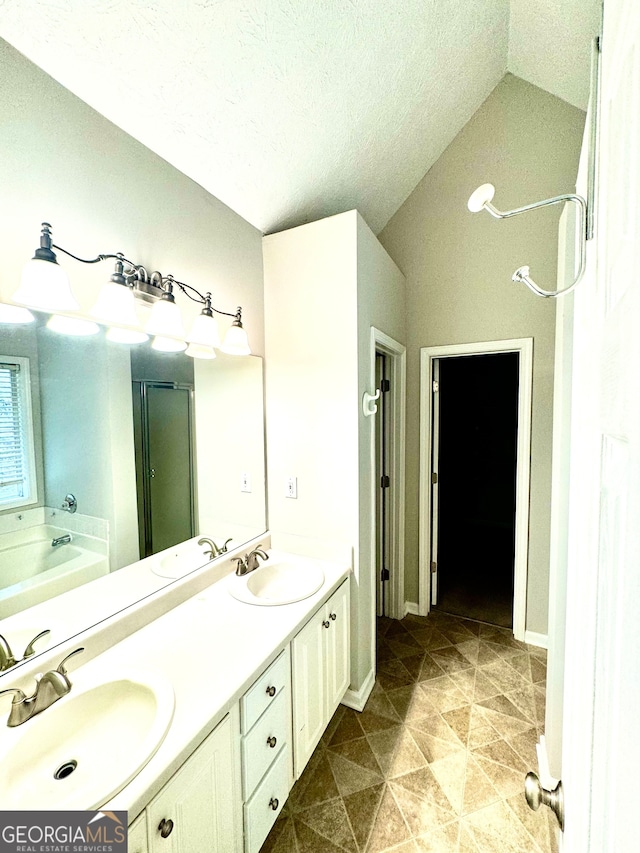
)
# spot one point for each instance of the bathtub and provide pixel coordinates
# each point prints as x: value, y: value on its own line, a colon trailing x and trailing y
x: 31, y: 570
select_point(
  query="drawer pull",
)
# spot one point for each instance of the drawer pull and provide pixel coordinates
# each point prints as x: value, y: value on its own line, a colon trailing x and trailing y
x: 165, y: 827
x: 333, y: 617
x: 273, y: 804
x: 326, y: 623
x: 271, y: 741
x: 271, y: 691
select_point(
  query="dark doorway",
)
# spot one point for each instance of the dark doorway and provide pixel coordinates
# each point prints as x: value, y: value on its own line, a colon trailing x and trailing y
x: 477, y: 411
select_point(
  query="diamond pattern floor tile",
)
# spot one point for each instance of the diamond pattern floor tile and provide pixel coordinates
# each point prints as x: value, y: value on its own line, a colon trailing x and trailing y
x: 436, y: 761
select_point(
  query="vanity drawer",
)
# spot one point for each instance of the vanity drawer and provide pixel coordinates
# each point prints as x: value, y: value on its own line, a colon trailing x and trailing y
x: 263, y: 692
x: 266, y: 803
x: 264, y: 742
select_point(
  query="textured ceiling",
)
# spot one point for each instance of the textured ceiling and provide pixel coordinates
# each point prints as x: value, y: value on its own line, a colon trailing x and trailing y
x: 291, y: 110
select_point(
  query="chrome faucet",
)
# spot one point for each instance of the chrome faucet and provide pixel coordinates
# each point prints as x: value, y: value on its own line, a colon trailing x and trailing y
x: 8, y: 659
x: 61, y: 540
x: 49, y: 688
x: 249, y: 562
x: 215, y: 550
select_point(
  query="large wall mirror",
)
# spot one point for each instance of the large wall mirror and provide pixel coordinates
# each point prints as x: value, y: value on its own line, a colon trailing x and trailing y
x: 126, y: 452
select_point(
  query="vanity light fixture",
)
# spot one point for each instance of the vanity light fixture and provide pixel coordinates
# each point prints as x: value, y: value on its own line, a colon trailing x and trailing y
x: 45, y: 286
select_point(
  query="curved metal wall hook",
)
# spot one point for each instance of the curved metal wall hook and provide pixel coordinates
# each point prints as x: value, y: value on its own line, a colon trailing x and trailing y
x: 481, y: 200
x: 369, y: 407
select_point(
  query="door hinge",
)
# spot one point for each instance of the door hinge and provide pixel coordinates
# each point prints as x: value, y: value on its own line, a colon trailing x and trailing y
x: 434, y: 479
x: 385, y: 385
x: 384, y: 575
x: 436, y: 386
x: 434, y: 567
x: 385, y: 481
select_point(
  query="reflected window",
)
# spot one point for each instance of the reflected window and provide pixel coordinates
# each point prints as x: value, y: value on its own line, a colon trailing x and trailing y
x: 17, y: 461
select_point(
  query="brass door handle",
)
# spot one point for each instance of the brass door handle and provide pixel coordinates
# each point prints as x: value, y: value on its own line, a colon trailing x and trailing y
x: 271, y: 691
x: 271, y: 741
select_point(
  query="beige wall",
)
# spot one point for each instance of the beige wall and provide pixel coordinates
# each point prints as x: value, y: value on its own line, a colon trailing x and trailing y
x: 459, y: 265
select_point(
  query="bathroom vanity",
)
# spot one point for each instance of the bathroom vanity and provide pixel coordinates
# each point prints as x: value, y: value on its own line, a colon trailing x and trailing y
x: 255, y: 685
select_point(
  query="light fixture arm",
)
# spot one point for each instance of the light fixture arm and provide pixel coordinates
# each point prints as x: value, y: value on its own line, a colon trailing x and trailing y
x: 202, y: 299
x: 522, y: 273
x: 482, y: 198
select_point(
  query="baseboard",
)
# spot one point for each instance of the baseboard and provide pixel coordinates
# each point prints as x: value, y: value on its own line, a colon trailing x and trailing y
x: 411, y: 607
x: 357, y: 699
x: 534, y: 639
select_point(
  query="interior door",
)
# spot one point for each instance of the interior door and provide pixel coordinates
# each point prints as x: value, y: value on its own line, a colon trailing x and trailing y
x: 435, y: 502
x: 602, y: 687
x: 170, y: 465
x: 474, y: 485
x: 164, y: 446
x: 383, y: 508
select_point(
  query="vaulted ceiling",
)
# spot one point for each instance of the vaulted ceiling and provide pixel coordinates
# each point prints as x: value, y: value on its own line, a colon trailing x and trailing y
x: 291, y: 110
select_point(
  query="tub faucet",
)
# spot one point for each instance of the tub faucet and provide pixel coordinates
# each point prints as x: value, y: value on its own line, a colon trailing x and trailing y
x: 61, y: 540
x: 250, y: 562
x: 49, y: 688
x: 215, y: 550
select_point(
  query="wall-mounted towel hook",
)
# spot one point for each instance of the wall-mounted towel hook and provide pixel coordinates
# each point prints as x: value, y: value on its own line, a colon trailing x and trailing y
x: 369, y: 407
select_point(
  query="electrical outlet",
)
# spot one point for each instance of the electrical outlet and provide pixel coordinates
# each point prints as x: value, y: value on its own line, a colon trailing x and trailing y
x: 292, y: 487
x: 245, y: 482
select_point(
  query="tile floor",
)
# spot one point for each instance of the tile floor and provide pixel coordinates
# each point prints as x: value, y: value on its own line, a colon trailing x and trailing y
x: 436, y: 761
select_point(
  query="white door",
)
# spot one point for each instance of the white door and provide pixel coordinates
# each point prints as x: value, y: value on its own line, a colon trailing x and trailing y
x: 602, y: 680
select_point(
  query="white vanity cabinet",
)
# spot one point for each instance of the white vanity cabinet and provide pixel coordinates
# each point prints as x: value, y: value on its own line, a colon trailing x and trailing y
x: 137, y: 835
x: 266, y: 750
x: 320, y: 673
x: 198, y: 809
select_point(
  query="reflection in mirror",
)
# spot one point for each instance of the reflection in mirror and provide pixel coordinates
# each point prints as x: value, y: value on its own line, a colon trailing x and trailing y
x: 155, y: 447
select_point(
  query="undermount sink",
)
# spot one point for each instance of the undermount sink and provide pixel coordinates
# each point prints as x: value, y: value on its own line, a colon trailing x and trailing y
x: 81, y: 751
x: 278, y: 582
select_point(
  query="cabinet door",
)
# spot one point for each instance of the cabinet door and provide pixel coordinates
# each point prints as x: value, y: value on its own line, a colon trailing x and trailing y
x: 198, y: 808
x: 337, y: 656
x: 308, y: 690
x: 137, y: 835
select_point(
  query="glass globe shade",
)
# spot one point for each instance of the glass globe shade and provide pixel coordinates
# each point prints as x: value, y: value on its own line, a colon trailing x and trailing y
x: 45, y: 285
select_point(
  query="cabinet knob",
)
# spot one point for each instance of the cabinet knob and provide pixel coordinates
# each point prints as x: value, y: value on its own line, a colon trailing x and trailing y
x: 273, y: 804
x: 333, y: 617
x: 271, y: 741
x: 326, y: 623
x: 271, y: 691
x: 165, y: 827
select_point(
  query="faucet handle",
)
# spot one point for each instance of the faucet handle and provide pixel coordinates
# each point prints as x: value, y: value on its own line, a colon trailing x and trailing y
x: 19, y: 697
x: 224, y: 547
x: 30, y: 649
x: 61, y: 666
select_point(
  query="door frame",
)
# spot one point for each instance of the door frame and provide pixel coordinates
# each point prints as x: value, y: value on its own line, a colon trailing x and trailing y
x: 397, y: 355
x: 523, y: 346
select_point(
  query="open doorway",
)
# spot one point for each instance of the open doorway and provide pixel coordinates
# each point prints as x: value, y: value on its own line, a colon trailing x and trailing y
x: 474, y: 504
x: 474, y: 480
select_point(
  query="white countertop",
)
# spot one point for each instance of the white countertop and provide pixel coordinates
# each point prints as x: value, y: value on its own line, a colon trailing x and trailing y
x: 212, y: 648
